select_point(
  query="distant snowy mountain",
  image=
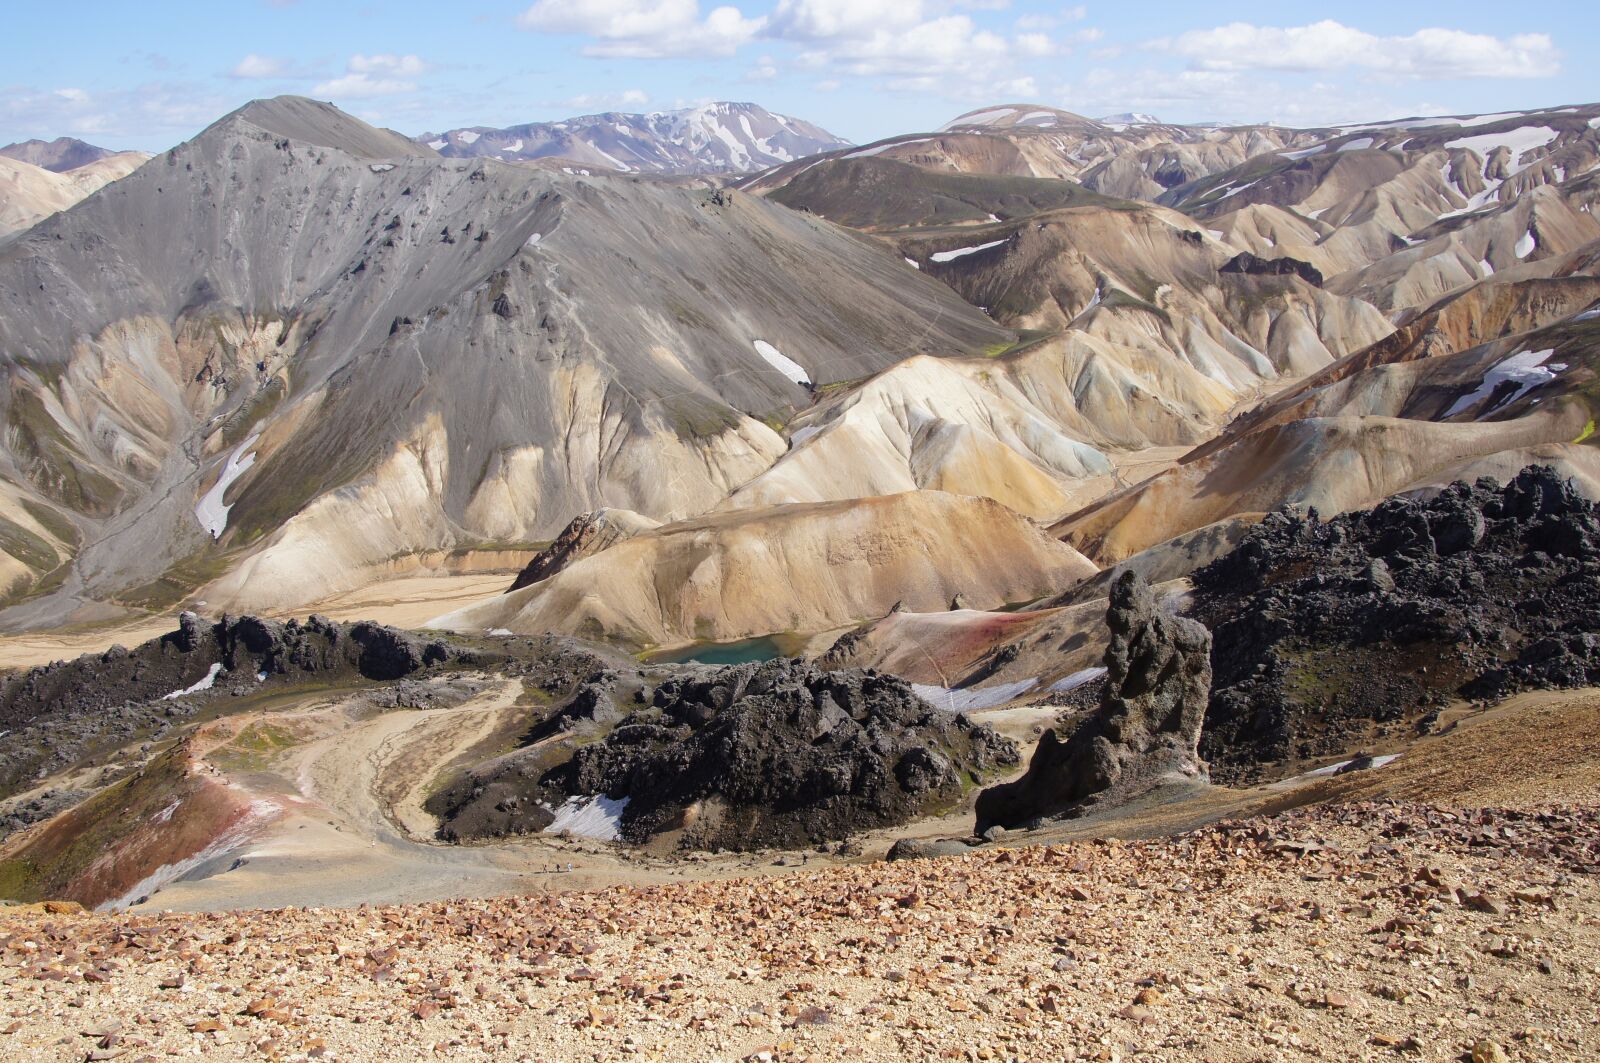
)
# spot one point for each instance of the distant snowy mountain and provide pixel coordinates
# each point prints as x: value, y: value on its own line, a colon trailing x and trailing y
x: 1131, y: 118
x: 714, y: 138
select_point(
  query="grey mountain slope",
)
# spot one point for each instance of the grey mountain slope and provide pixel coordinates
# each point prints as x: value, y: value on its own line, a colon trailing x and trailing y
x: 324, y: 125
x: 434, y: 353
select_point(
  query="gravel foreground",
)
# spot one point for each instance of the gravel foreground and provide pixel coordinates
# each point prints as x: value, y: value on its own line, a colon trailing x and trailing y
x: 1356, y: 931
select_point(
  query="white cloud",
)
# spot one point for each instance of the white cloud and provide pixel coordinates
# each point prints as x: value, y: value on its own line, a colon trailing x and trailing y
x: 1227, y: 96
x: 919, y: 46
x: 1329, y: 45
x: 1035, y: 44
x: 980, y: 90
x: 154, y: 114
x: 764, y: 70
x: 402, y: 65
x: 258, y: 66
x: 822, y: 20
x: 607, y: 101
x: 367, y: 76
x: 645, y: 29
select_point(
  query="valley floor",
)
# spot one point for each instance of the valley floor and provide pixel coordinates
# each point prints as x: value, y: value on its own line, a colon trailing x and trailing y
x: 1370, y: 925
x: 404, y: 601
x: 1354, y: 931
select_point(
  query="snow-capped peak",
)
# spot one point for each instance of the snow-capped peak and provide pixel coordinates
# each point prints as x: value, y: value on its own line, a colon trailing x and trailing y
x: 1131, y: 118
x: 713, y: 137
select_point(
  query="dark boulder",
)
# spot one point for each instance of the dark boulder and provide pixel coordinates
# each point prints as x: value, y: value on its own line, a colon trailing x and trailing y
x: 778, y: 754
x: 586, y: 534
x: 1146, y: 730
x: 1245, y: 262
x: 1329, y: 636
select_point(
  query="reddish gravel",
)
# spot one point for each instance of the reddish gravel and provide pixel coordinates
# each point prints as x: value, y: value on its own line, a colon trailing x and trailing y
x: 1353, y: 931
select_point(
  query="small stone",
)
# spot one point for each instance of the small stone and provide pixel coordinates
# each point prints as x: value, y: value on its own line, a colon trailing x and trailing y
x: 1486, y: 1051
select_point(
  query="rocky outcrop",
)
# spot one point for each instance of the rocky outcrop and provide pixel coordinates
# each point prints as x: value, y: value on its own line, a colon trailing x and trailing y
x: 1332, y: 635
x: 1283, y: 266
x: 780, y: 754
x: 589, y: 533
x: 1146, y: 730
x: 54, y: 713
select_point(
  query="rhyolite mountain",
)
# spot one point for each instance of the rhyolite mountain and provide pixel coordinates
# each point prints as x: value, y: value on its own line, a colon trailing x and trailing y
x: 296, y: 348
x: 298, y: 354
x: 58, y: 155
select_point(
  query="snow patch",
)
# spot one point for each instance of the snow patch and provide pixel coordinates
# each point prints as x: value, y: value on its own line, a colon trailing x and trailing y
x: 912, y: 263
x: 972, y: 700
x: 467, y: 136
x: 381, y: 167
x: 211, y: 511
x: 1359, y: 144
x: 1519, y: 141
x: 950, y: 256
x: 1333, y: 769
x: 787, y: 366
x: 982, y: 117
x: 1525, y: 245
x: 1527, y: 370
x: 879, y: 149
x: 501, y: 631
x: 803, y: 434
x: 1077, y: 679
x: 598, y: 817
x: 205, y: 683
x: 438, y: 145
x: 257, y: 815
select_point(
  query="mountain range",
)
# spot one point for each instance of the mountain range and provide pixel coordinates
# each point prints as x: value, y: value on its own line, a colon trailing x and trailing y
x: 66, y: 171
x: 712, y: 138
x: 495, y: 510
x: 1016, y: 307
x: 58, y: 155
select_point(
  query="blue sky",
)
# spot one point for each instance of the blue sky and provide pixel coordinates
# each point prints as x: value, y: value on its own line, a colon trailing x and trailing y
x: 149, y: 75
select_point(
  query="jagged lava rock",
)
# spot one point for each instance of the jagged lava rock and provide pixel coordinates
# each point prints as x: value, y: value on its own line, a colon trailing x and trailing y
x: 777, y: 754
x: 588, y: 533
x: 1332, y: 635
x: 1146, y: 730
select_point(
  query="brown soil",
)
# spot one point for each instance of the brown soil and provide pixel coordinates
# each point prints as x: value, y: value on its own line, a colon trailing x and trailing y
x: 1351, y: 929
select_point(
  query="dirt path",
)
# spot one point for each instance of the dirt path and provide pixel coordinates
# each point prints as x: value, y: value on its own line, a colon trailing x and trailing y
x: 355, y: 828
